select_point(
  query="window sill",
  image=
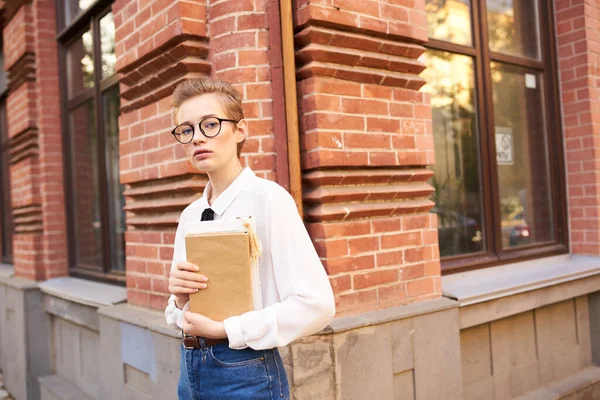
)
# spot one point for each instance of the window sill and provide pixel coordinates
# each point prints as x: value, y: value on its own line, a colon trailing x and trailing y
x: 84, y: 292
x: 474, y: 287
x: 491, y: 294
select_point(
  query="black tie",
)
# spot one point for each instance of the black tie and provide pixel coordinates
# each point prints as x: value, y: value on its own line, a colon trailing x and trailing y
x: 207, y: 215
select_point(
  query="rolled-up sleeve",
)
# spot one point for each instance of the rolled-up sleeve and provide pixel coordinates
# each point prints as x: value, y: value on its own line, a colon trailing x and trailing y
x: 307, y: 303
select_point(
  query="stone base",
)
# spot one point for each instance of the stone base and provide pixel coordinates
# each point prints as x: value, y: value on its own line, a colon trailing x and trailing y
x: 55, y: 387
x: 584, y: 385
x: 397, y: 353
x: 24, y: 337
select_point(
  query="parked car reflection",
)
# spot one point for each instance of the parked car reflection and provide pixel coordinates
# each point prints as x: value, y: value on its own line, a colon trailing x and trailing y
x: 515, y: 230
x: 457, y: 233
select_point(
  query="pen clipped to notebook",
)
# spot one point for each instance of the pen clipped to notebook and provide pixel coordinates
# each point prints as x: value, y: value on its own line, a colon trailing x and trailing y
x: 227, y: 252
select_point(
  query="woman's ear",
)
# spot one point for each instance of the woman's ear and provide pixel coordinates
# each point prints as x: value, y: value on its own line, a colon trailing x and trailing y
x: 242, y: 131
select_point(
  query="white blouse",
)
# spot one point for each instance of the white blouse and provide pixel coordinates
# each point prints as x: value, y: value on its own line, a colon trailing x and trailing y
x: 297, y: 299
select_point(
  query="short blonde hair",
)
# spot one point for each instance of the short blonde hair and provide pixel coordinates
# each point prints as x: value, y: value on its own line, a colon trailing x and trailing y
x: 230, y: 98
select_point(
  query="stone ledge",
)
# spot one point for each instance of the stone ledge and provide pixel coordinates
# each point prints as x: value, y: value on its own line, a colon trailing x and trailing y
x: 493, y: 310
x: 56, y: 387
x: 19, y: 283
x: 389, y: 314
x: 487, y: 284
x: 93, y: 294
x: 581, y: 381
x: 76, y: 313
x: 143, y: 318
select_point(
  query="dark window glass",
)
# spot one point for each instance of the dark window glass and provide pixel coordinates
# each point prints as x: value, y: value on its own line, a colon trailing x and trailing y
x: 115, y: 188
x: 107, y: 43
x: 80, y: 64
x: 450, y: 20
x: 85, y: 184
x: 97, y: 217
x: 522, y: 156
x: 451, y: 83
x: 497, y: 197
x: 513, y: 27
x: 6, y: 225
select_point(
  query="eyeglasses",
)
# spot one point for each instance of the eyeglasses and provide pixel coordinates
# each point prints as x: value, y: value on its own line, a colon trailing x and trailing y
x: 210, y: 127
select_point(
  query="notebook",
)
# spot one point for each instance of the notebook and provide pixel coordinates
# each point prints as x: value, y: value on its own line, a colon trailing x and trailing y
x: 222, y: 250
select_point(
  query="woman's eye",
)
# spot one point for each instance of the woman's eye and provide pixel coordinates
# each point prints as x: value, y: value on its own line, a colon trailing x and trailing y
x: 187, y: 132
x: 211, y: 125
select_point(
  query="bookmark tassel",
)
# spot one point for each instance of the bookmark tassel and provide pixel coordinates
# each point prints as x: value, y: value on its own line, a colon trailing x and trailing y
x: 255, y: 250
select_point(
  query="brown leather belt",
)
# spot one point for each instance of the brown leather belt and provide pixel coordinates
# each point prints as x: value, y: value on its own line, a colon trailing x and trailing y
x: 195, y: 342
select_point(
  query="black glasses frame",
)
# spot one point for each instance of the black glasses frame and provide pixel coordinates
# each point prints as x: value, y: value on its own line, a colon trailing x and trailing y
x: 221, y: 120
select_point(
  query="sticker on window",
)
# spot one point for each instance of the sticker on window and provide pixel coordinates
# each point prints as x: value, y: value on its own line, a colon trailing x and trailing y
x: 530, y: 81
x: 504, y: 146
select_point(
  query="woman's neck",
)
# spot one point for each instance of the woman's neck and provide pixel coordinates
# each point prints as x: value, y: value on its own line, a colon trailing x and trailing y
x: 222, y: 178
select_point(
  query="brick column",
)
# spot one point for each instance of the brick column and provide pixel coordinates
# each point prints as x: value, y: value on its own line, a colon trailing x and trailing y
x: 158, y: 44
x: 35, y: 139
x: 579, y: 68
x: 157, y: 48
x: 367, y: 138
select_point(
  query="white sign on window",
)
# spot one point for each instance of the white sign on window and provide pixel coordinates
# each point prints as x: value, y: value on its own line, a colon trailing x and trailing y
x: 504, y: 146
x: 530, y: 81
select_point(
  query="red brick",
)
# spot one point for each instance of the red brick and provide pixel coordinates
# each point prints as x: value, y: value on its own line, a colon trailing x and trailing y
x: 349, y: 264
x: 341, y: 284
x: 332, y: 248
x: 392, y: 295
x: 420, y: 287
x: 375, y: 278
x: 363, y: 245
x: 355, y: 302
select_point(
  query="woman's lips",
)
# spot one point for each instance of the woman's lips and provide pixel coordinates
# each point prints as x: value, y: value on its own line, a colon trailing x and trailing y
x: 201, y: 154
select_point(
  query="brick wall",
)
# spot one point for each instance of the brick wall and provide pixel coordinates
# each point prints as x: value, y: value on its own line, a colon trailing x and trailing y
x: 35, y: 144
x: 365, y: 127
x: 53, y: 224
x: 366, y: 139
x: 159, y: 44
x: 579, y: 67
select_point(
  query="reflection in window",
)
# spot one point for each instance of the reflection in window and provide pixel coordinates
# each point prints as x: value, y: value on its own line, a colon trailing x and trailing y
x: 450, y: 20
x: 107, y: 45
x: 513, y: 27
x: 74, y: 7
x: 80, y: 64
x: 523, y: 173
x: 6, y: 221
x: 115, y: 188
x: 450, y: 81
x: 85, y: 185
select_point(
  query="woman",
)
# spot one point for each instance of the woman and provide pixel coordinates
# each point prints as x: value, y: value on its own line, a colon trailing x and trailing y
x: 237, y: 358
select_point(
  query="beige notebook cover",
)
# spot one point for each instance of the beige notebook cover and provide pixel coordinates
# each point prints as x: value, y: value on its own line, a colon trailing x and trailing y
x: 224, y: 257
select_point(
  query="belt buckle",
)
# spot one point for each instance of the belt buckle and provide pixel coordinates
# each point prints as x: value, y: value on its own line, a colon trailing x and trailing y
x: 189, y: 341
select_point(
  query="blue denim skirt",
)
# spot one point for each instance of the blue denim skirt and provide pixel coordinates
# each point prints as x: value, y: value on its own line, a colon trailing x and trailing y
x: 220, y: 373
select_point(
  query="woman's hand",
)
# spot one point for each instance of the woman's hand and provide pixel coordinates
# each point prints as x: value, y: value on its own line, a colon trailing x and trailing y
x: 184, y: 280
x: 198, y: 325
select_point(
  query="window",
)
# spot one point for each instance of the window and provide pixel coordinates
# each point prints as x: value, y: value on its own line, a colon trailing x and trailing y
x: 91, y: 106
x: 6, y: 226
x: 6, y: 223
x: 499, y: 193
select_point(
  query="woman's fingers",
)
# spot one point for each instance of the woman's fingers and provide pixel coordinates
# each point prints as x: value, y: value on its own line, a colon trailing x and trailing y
x: 173, y: 281
x: 187, y: 266
x: 188, y: 276
x: 177, y: 290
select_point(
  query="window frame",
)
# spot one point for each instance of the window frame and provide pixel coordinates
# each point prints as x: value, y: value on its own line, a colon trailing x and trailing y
x: 6, y: 218
x: 87, y: 20
x: 482, y: 56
